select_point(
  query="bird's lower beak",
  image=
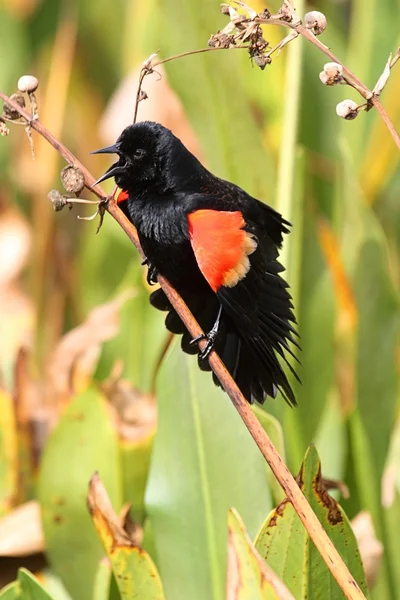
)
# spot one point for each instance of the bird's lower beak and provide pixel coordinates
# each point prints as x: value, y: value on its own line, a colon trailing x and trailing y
x: 114, y: 169
x: 111, y: 172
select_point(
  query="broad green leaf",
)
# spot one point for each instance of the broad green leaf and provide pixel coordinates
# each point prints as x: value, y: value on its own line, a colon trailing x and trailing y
x: 30, y: 587
x: 84, y: 441
x: 273, y: 428
x: 286, y: 546
x: 204, y: 462
x: 8, y: 452
x: 248, y: 576
x: 142, y: 333
x: 10, y: 592
x: 135, y: 574
x: 135, y: 456
x: 105, y: 587
x: 53, y: 585
x: 332, y: 433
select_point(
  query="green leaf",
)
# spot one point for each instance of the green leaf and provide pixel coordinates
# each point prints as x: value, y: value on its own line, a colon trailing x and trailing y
x: 10, y: 592
x: 204, y: 462
x: 105, y: 587
x: 30, y: 587
x: 135, y: 458
x: 135, y: 573
x: 84, y: 441
x: 142, y: 333
x: 249, y: 577
x: 285, y: 544
x: 274, y: 430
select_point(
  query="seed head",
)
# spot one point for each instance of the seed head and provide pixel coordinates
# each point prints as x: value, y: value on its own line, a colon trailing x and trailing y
x: 332, y: 74
x: 347, y: 109
x: 315, y: 21
x: 3, y: 128
x: 58, y: 201
x: 28, y: 84
x: 72, y: 179
x: 9, y: 112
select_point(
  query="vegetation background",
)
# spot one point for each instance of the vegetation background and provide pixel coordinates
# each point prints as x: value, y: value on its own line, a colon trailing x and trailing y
x: 276, y: 134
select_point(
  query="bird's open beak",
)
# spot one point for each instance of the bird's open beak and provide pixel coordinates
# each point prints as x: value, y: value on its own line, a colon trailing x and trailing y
x: 114, y: 169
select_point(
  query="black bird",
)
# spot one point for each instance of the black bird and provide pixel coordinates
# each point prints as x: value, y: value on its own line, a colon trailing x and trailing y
x: 218, y: 247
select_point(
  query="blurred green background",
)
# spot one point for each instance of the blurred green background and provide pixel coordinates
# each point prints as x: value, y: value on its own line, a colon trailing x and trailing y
x: 276, y: 134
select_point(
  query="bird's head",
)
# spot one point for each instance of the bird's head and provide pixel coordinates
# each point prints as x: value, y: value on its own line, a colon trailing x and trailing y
x: 142, y: 150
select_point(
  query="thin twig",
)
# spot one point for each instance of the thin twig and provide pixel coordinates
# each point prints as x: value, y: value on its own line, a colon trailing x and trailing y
x: 149, y: 67
x: 349, y: 75
x: 314, y: 528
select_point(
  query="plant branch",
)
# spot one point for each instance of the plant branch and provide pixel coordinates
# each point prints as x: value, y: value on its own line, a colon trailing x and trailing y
x: 352, y: 79
x: 324, y: 545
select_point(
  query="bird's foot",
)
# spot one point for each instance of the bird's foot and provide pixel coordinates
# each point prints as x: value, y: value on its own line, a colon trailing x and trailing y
x: 152, y: 272
x: 211, y: 336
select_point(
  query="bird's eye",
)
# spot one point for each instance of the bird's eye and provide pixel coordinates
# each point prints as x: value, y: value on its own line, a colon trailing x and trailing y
x: 139, y: 153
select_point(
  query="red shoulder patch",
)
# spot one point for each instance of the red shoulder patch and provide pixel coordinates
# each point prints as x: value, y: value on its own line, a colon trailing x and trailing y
x: 221, y: 246
x: 122, y: 196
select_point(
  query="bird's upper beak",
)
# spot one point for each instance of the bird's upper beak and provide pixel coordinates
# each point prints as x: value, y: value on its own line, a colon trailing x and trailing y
x: 114, y: 169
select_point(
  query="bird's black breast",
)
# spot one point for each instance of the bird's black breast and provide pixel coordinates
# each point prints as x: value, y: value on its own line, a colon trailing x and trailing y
x: 162, y: 227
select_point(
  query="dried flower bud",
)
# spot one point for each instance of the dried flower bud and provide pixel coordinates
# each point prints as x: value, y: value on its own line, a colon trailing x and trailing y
x: 332, y: 74
x: 58, y: 201
x: 221, y: 40
x: 225, y: 9
x: 72, y: 179
x: 28, y: 84
x: 9, y: 112
x: 265, y: 14
x: 316, y: 21
x: 262, y: 60
x: 348, y: 109
x: 142, y: 95
x: 3, y: 128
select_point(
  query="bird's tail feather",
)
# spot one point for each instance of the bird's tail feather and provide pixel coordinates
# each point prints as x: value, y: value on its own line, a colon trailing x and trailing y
x: 251, y: 360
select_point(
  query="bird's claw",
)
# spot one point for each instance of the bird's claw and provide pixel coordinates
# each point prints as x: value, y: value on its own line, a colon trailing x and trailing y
x: 210, y: 337
x: 152, y: 272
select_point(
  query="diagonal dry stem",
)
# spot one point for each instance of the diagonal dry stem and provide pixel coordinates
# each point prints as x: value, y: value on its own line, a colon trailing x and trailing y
x: 324, y: 545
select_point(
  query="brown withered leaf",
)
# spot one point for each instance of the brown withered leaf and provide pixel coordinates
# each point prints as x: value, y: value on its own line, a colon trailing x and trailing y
x: 136, y: 412
x: 75, y: 358
x: 162, y: 105
x: 370, y: 547
x: 106, y: 521
x: 21, y: 532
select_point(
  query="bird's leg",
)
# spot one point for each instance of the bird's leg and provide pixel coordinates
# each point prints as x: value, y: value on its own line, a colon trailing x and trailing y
x: 210, y: 337
x: 151, y: 272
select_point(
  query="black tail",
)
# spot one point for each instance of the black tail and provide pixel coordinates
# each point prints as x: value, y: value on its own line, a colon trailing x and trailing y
x: 251, y: 361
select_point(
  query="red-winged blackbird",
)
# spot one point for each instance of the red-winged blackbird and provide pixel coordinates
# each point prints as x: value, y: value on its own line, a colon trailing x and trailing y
x: 218, y: 247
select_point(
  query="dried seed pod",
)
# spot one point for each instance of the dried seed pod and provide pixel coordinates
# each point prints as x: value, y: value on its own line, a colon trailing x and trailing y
x: 315, y: 21
x: 72, y: 179
x: 3, y: 128
x: 58, y: 201
x: 347, y: 109
x: 9, y: 112
x: 332, y: 74
x: 262, y: 60
x: 225, y: 9
x: 28, y: 84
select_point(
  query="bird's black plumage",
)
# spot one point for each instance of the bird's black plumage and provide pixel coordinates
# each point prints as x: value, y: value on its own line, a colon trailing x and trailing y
x: 166, y: 186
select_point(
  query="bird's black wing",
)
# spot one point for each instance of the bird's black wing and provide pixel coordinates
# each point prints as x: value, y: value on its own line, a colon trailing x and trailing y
x: 253, y: 294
